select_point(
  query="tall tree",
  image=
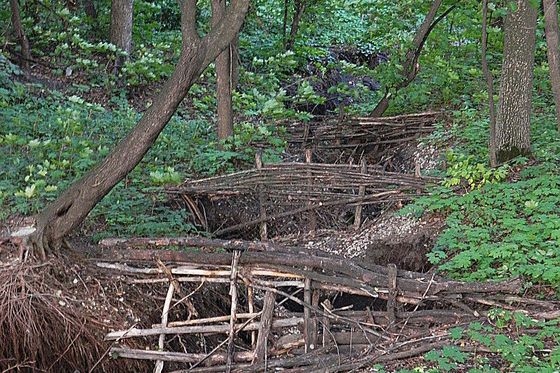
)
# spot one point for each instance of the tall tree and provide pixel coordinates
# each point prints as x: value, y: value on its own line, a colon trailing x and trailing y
x: 224, y: 77
x: 513, y: 120
x: 490, y: 84
x: 20, y: 34
x: 64, y: 214
x: 410, y: 63
x: 121, y: 28
x: 551, y: 30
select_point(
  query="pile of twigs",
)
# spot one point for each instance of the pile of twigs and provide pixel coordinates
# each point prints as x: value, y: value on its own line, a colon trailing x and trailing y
x: 259, y: 335
x: 352, y: 132
x: 301, y: 181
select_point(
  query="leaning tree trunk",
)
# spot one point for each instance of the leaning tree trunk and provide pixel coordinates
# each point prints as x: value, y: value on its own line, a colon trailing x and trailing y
x: 121, y: 28
x: 18, y: 29
x: 410, y: 63
x: 551, y: 30
x: 223, y: 79
x: 513, y: 121
x: 64, y: 214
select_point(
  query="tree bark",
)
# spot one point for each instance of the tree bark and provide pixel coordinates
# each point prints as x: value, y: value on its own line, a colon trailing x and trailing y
x: 490, y: 83
x: 223, y: 79
x: 551, y: 31
x: 64, y: 214
x: 121, y: 28
x: 513, y: 121
x: 298, y: 14
x: 410, y: 64
x: 89, y: 8
x: 18, y: 28
x: 285, y: 23
x: 235, y: 62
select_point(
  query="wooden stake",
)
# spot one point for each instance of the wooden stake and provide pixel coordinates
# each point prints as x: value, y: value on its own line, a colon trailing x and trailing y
x: 315, y: 303
x: 164, y: 317
x: 312, y: 215
x: 327, y: 337
x: 251, y: 306
x: 266, y: 323
x: 262, y: 208
x: 361, y: 194
x: 233, y: 320
x: 392, y: 296
x: 307, y: 328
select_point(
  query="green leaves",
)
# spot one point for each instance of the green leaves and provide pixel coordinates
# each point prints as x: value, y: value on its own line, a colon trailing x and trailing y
x: 497, y: 229
x: 447, y: 358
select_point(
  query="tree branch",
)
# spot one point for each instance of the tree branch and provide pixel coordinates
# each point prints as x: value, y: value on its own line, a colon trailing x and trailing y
x: 188, y: 22
x: 230, y: 24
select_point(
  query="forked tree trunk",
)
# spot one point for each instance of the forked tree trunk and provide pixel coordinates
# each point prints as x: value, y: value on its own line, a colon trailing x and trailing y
x: 490, y: 84
x: 20, y: 34
x: 552, y: 43
x: 64, y: 214
x: 410, y: 64
x: 121, y: 28
x: 223, y: 79
x: 513, y: 121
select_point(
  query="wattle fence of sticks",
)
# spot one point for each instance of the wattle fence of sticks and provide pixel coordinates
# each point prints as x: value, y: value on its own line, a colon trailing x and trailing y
x: 412, y: 316
x: 312, y: 195
x: 350, y: 136
x: 287, y: 189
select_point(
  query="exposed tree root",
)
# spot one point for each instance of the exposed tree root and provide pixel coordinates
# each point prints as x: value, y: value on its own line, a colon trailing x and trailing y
x: 47, y: 321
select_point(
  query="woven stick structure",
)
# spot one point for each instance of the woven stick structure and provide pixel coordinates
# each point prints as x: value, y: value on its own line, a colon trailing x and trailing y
x: 305, y: 339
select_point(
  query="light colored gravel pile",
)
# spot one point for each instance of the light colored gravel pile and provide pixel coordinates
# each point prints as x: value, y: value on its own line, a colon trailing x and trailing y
x: 354, y: 244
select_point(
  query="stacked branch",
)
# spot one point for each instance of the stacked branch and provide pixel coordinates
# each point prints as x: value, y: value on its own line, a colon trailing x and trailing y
x: 294, y: 180
x: 319, y: 192
x: 280, y: 276
x: 335, y: 134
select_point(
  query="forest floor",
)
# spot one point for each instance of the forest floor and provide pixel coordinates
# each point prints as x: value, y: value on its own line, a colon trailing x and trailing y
x: 57, y: 313
x: 94, y: 301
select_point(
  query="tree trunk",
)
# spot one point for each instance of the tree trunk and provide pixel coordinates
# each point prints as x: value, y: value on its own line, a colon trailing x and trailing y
x: 18, y: 28
x: 298, y: 14
x: 410, y: 64
x: 490, y: 83
x: 223, y: 79
x: 513, y: 121
x: 551, y: 30
x: 121, y: 28
x: 235, y: 62
x: 285, y: 23
x: 89, y: 8
x: 64, y: 214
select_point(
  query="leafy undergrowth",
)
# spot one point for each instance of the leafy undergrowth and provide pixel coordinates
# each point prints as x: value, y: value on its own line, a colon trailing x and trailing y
x: 509, y: 341
x: 502, y: 223
x: 47, y: 140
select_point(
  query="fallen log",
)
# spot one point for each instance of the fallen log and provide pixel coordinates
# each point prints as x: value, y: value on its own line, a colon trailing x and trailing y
x: 191, y: 241
x: 179, y: 357
x: 419, y: 287
x: 207, y: 329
